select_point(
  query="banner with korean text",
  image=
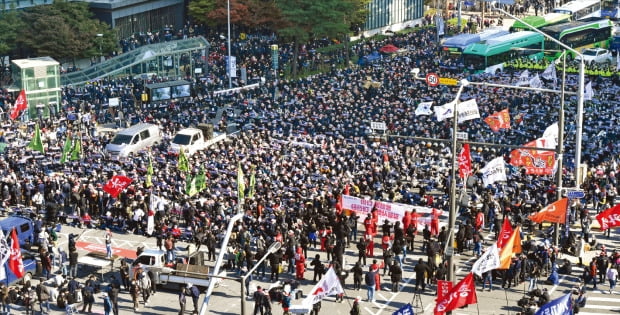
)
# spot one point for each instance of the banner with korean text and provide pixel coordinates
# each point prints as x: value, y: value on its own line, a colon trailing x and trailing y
x: 386, y: 210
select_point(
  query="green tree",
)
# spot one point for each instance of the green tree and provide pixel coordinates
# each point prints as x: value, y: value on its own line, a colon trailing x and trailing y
x: 215, y: 12
x: 10, y: 23
x: 310, y: 19
x: 64, y: 31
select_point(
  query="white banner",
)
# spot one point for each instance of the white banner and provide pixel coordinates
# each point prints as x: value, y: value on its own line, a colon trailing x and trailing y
x: 5, y: 253
x: 328, y: 285
x: 444, y: 111
x: 524, y: 78
x: 551, y: 136
x: 424, y: 108
x: 494, y: 171
x: 392, y: 212
x: 488, y: 261
x: 468, y: 110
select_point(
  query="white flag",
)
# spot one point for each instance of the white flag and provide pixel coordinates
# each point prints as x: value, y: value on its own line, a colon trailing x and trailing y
x: 467, y: 110
x: 328, y: 285
x: 424, y: 108
x: 618, y: 61
x: 551, y: 134
x: 535, y: 82
x: 524, y: 78
x: 5, y: 253
x: 550, y: 73
x: 588, y: 94
x: 488, y: 261
x: 444, y: 111
x: 494, y: 171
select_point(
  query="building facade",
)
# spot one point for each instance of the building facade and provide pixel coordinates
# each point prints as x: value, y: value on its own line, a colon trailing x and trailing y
x: 393, y: 15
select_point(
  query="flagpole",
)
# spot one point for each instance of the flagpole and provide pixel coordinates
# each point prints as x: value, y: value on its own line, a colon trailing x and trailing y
x: 559, y: 153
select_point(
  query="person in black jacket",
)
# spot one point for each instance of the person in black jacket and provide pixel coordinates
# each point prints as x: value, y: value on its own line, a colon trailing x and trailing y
x: 358, y: 272
x: 361, y: 248
x: 319, y: 268
x: 421, y: 269
x: 396, y: 274
x: 275, y: 259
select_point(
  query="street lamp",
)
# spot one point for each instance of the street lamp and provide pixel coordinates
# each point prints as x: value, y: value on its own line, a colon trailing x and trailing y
x: 452, y: 212
x: 579, y: 122
x: 100, y: 36
x: 274, y: 247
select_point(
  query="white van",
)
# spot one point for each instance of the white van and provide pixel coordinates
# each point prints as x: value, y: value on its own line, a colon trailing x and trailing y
x: 133, y: 139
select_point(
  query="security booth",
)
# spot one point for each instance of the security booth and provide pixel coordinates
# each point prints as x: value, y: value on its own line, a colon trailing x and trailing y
x: 40, y: 79
x: 165, y: 91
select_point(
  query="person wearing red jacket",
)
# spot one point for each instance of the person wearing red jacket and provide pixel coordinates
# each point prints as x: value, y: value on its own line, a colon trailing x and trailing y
x: 406, y: 220
x: 435, y: 222
x: 300, y: 264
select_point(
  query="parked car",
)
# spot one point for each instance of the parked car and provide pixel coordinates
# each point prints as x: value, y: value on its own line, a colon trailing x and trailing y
x: 24, y: 227
x: 596, y: 55
x: 30, y: 269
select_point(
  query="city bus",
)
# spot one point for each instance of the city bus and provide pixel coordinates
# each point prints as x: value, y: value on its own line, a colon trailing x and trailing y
x: 588, y: 33
x: 580, y: 9
x: 490, y: 56
x: 540, y: 21
x: 452, y: 48
x: 610, y: 9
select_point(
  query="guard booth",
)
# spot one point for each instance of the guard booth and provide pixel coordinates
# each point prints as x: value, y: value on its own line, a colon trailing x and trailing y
x: 165, y: 91
x: 40, y: 78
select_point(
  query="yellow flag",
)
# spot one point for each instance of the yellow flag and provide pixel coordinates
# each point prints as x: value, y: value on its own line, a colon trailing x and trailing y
x: 513, y: 246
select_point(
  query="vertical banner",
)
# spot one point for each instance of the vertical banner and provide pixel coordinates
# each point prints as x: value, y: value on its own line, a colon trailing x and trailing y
x: 231, y: 68
x: 443, y: 287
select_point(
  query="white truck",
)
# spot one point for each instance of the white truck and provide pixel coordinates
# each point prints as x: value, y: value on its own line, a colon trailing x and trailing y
x: 186, y: 269
x: 191, y: 140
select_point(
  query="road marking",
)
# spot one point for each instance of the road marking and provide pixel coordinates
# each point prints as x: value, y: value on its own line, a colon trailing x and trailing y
x: 601, y: 299
x: 394, y: 295
x: 556, y: 286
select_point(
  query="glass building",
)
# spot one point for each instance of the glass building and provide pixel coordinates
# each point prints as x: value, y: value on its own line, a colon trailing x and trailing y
x: 168, y: 59
x: 386, y: 13
x: 40, y: 78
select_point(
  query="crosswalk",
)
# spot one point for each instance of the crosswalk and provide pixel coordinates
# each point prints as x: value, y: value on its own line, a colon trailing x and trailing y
x: 601, y: 302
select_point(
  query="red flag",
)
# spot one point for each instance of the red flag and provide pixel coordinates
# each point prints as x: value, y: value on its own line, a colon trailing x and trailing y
x: 20, y: 104
x: 609, y: 218
x: 117, y: 184
x: 464, y: 293
x: 535, y: 162
x: 15, y: 260
x: 443, y: 287
x: 465, y: 162
x: 498, y: 120
x: 554, y: 213
x: 512, y: 246
x: 504, y: 234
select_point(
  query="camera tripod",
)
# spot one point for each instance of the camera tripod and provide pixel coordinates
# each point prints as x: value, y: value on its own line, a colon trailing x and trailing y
x: 417, y: 300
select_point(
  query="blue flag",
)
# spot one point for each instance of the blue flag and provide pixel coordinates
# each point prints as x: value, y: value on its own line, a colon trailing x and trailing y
x: 405, y: 310
x: 559, y: 306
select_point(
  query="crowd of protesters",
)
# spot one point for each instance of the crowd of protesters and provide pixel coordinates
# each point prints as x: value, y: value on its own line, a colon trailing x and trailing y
x: 305, y: 142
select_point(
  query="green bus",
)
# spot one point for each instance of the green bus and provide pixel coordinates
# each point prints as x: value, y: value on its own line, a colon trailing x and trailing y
x: 540, y: 21
x: 490, y: 56
x: 579, y: 35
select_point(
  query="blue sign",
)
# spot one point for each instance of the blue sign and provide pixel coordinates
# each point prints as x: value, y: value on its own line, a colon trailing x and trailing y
x: 405, y: 310
x: 468, y: 3
x: 559, y: 306
x: 575, y: 194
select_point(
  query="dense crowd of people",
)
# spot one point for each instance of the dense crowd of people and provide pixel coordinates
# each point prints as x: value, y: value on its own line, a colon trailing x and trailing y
x: 306, y: 142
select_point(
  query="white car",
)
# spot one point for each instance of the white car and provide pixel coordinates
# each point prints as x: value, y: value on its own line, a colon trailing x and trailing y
x: 596, y: 55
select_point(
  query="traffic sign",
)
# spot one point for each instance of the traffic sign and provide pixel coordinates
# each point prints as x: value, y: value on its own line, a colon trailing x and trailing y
x: 575, y: 194
x: 448, y: 81
x: 432, y: 79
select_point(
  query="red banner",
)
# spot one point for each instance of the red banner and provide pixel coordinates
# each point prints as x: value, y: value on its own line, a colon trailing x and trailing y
x: 498, y: 120
x: 464, y: 293
x: 15, y: 260
x: 20, y: 104
x: 465, y: 162
x: 504, y: 234
x: 609, y: 218
x: 536, y: 162
x: 117, y: 184
x: 443, y: 287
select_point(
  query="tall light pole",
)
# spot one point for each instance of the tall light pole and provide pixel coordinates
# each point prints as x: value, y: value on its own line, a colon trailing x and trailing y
x: 229, y: 63
x: 579, y: 122
x: 452, y: 212
x: 100, y: 37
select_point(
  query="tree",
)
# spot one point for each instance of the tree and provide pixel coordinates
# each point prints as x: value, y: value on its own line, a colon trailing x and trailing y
x: 215, y: 12
x: 64, y: 31
x: 308, y: 19
x: 10, y: 23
